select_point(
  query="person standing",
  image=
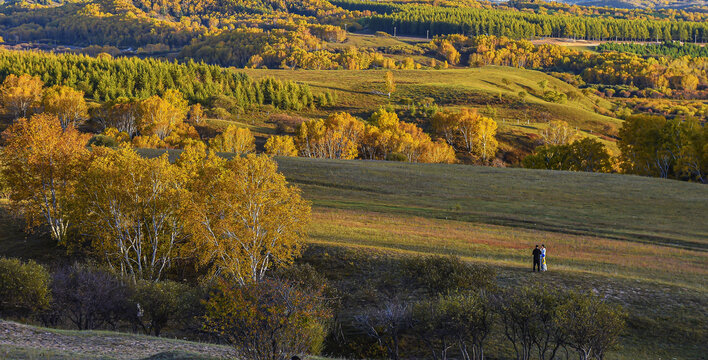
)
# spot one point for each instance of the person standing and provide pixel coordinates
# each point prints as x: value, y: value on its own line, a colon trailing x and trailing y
x: 536, y: 259
x: 543, y: 258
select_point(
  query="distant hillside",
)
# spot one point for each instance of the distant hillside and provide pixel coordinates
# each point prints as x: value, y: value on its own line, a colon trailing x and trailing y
x: 630, y: 4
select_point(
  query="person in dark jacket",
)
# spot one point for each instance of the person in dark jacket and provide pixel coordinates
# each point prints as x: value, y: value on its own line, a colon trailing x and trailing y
x: 536, y: 259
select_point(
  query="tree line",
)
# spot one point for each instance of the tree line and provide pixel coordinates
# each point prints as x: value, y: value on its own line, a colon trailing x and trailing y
x: 664, y: 76
x: 650, y: 145
x: 106, y: 79
x: 673, y: 49
x: 422, y: 20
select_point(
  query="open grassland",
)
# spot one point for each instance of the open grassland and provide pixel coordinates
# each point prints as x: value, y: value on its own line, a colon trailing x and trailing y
x: 641, y: 242
x: 510, y: 246
x: 639, y: 209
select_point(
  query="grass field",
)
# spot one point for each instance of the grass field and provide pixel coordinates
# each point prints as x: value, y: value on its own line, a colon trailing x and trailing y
x: 641, y: 242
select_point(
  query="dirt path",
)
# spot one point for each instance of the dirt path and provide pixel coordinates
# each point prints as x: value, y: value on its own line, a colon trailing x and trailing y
x: 102, y: 344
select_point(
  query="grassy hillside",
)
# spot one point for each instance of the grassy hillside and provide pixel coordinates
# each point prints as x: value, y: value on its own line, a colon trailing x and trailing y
x: 641, y: 242
x: 490, y: 88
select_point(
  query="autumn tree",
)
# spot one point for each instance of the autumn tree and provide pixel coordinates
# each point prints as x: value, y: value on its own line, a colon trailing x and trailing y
x: 389, y: 83
x: 121, y: 114
x: 242, y: 215
x: 448, y: 51
x: 695, y: 155
x: 335, y: 137
x: 558, y: 132
x: 586, y: 154
x: 469, y: 131
x: 20, y: 94
x: 445, y: 124
x: 438, y: 152
x: 653, y: 145
x: 484, y: 140
x: 234, y: 139
x: 280, y: 145
x: 42, y: 165
x: 67, y: 104
x: 196, y: 114
x: 129, y: 206
x: 159, y: 116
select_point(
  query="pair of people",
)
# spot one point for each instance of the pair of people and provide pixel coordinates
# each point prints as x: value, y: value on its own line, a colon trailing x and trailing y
x: 539, y: 258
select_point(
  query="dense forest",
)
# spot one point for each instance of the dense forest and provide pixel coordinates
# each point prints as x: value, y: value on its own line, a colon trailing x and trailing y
x: 420, y: 20
x: 672, y: 49
x: 105, y: 79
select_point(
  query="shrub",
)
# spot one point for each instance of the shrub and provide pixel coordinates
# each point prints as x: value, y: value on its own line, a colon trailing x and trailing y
x: 555, y: 96
x: 158, y: 303
x: 24, y: 288
x: 441, y: 275
x: 103, y: 140
x: 464, y: 320
x: 590, y: 326
x: 89, y: 298
x: 286, y: 123
x: 272, y: 319
x: 396, y: 156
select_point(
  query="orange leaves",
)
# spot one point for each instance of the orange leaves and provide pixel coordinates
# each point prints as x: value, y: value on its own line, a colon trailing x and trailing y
x: 234, y: 139
x: 242, y: 215
x: 20, y: 94
x: 42, y: 163
x: 280, y: 146
x: 336, y: 137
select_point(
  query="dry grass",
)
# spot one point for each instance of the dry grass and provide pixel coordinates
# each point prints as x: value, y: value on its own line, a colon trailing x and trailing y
x: 511, y: 247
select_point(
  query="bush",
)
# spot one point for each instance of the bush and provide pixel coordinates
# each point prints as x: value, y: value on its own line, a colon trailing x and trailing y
x: 24, y: 288
x: 286, y: 124
x: 396, y: 156
x: 103, y: 140
x: 273, y: 319
x: 442, y: 275
x: 159, y: 303
x: 590, y: 325
x: 555, y: 96
x: 89, y: 298
x: 464, y: 320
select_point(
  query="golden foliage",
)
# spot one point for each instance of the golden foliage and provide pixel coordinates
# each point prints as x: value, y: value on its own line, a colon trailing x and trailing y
x: 234, y: 139
x: 336, y: 137
x: 280, y: 146
x: 161, y: 115
x: 129, y: 206
x: 469, y: 131
x: 558, y: 132
x: 20, y: 94
x: 67, y: 104
x: 42, y: 164
x: 242, y: 214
